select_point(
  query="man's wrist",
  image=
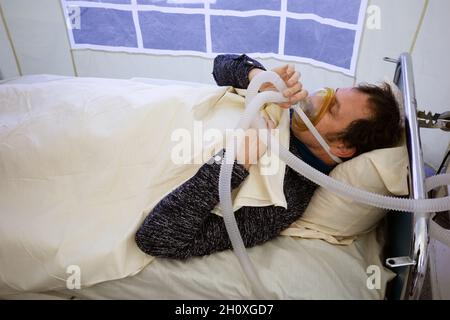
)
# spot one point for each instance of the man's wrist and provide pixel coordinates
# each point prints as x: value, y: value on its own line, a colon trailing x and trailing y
x: 253, y: 73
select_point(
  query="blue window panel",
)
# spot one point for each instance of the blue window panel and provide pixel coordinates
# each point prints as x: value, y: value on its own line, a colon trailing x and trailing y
x: 245, y: 5
x: 108, y: 27
x: 341, y: 10
x: 107, y: 1
x: 173, y: 31
x: 310, y: 39
x: 244, y: 35
x: 164, y: 3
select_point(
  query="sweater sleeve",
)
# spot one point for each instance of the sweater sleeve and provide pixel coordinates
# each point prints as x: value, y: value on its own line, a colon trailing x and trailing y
x: 182, y: 225
x: 232, y: 70
x: 173, y: 224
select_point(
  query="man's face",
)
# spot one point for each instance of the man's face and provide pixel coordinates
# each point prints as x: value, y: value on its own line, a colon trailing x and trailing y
x: 350, y: 105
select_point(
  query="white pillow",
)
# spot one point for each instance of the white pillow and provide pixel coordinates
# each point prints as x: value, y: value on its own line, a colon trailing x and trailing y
x: 340, y: 220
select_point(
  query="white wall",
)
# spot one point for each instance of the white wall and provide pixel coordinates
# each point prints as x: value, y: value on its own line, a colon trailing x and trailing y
x: 8, y: 66
x: 38, y: 32
x: 126, y: 65
x: 41, y: 42
x: 432, y: 74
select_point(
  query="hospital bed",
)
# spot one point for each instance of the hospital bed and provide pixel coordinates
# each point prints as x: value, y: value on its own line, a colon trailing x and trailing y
x: 298, y: 268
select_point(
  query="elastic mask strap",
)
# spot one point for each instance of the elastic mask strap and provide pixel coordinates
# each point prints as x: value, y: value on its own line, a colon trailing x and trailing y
x: 315, y: 133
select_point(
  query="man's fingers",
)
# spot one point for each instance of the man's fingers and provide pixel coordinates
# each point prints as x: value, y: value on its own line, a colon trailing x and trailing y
x: 298, y: 96
x: 281, y: 71
x: 291, y: 77
x: 295, y: 77
x: 295, y: 93
x: 290, y: 70
x: 285, y: 72
x: 289, y: 92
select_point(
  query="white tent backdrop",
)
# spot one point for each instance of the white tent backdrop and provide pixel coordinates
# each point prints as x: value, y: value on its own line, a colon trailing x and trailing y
x: 39, y: 40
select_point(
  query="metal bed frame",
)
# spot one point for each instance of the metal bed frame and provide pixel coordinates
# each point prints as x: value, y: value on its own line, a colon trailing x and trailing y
x: 408, y: 233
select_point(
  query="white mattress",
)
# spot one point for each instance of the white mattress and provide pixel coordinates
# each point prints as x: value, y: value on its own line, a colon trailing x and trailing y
x: 290, y: 268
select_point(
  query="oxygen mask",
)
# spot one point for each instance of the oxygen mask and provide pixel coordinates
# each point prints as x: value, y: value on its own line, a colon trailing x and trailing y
x: 315, y: 106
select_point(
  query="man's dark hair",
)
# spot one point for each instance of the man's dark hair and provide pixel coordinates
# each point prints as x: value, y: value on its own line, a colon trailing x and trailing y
x: 383, y: 130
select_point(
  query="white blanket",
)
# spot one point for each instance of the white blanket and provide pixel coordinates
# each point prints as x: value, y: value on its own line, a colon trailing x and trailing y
x: 83, y: 160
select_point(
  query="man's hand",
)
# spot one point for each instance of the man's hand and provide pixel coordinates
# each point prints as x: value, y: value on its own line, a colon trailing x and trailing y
x: 291, y: 78
x: 252, y: 148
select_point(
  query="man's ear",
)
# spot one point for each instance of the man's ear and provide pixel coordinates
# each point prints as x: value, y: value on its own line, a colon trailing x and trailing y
x: 339, y: 149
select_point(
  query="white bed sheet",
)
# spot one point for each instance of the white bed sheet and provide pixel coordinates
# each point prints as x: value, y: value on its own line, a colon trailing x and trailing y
x: 290, y: 268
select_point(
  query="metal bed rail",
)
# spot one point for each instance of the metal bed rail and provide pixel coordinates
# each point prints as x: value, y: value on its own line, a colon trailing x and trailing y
x: 413, y: 266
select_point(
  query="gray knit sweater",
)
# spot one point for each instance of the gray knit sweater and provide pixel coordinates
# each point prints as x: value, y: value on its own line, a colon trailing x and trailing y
x: 181, y: 225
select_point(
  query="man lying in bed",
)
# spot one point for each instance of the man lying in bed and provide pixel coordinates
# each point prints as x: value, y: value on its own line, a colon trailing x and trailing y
x: 359, y: 120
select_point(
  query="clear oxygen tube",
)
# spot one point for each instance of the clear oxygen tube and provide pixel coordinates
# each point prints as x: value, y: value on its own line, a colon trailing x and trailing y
x: 254, y: 102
